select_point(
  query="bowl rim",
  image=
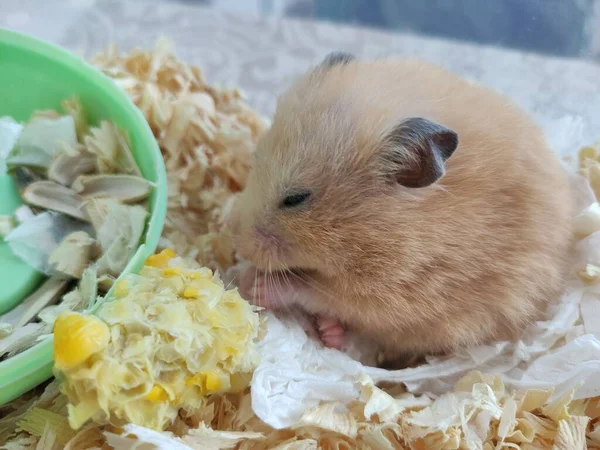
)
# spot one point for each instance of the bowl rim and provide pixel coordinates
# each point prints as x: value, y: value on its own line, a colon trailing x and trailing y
x: 26, y: 370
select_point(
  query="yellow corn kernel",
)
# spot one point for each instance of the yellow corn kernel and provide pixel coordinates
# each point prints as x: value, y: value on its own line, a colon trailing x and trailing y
x: 198, y: 380
x: 171, y: 271
x: 160, y: 260
x: 209, y: 382
x: 201, y: 287
x: 232, y: 351
x: 157, y: 394
x: 213, y: 382
x: 76, y: 338
x: 191, y: 292
x: 197, y: 274
x: 206, y: 287
x: 121, y: 288
x: 214, y: 318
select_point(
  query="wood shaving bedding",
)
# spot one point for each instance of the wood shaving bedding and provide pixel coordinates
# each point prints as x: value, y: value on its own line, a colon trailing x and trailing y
x: 206, y: 136
x: 479, y: 414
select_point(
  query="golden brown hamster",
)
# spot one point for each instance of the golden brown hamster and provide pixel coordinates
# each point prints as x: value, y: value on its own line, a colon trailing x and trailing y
x: 398, y: 200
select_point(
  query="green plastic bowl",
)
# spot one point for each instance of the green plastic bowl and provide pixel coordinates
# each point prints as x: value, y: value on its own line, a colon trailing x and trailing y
x: 36, y: 75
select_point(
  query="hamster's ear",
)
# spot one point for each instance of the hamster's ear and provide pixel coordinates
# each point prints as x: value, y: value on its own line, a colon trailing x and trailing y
x: 335, y: 59
x: 415, y: 152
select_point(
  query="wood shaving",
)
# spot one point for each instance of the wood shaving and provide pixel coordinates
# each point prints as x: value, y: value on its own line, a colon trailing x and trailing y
x: 227, y: 422
x: 206, y: 135
x: 571, y: 433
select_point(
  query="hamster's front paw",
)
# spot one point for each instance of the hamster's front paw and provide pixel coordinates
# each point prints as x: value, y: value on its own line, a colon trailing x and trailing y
x: 260, y: 292
x: 331, y: 332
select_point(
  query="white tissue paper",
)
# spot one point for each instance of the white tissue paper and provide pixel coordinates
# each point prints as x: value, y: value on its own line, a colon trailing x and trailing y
x: 296, y: 373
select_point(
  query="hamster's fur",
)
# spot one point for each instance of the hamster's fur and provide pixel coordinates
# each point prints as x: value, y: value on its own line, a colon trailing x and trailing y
x: 419, y: 245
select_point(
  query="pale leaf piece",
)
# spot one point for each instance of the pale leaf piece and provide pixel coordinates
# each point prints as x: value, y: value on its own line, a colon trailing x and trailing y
x: 53, y: 196
x: 23, y: 177
x: 111, y: 148
x: 88, y: 288
x: 74, y: 108
x: 72, y: 301
x: 46, y: 294
x: 119, y: 236
x: 42, y: 139
x: 97, y: 210
x: 73, y: 254
x: 66, y: 168
x: 21, y: 339
x: 124, y: 188
x: 34, y: 240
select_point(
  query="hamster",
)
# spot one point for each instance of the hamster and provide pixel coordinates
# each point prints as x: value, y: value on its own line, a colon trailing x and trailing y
x: 397, y: 200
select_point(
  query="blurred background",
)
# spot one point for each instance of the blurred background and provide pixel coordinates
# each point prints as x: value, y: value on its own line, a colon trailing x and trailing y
x: 564, y: 28
x: 544, y: 54
x: 554, y: 27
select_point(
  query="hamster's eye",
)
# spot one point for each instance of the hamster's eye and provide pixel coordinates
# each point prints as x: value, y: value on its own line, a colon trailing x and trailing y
x: 295, y: 199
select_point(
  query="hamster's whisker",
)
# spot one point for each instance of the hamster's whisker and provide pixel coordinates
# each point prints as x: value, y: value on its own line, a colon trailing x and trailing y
x: 284, y: 279
x: 262, y: 296
x: 314, y: 284
x: 255, y: 292
x: 232, y: 282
